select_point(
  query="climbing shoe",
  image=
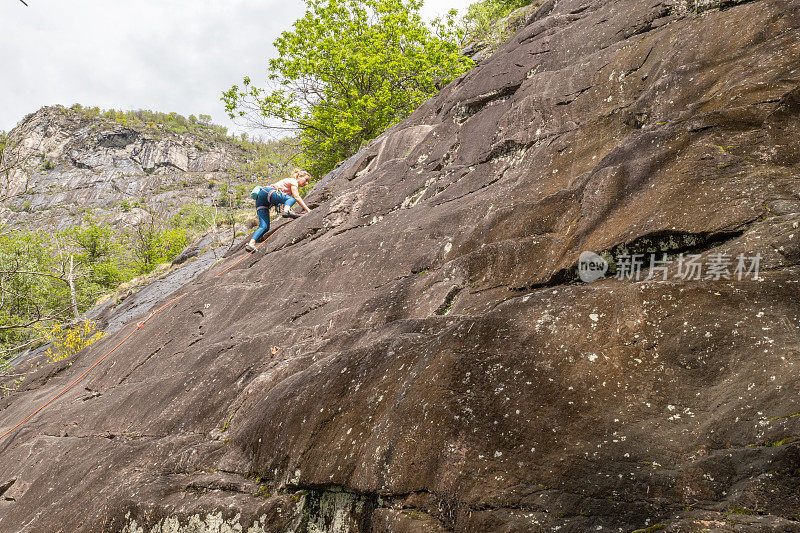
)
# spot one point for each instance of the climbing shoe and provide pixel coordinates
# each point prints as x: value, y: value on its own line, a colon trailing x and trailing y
x: 250, y: 248
x: 291, y: 214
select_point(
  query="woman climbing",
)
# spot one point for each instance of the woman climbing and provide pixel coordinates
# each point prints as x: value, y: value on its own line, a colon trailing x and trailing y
x: 283, y: 196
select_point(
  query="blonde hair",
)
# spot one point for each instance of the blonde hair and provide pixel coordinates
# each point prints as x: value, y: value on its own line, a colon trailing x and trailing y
x: 296, y: 173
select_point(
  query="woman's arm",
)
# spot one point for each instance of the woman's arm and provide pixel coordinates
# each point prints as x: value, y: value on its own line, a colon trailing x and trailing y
x: 296, y: 196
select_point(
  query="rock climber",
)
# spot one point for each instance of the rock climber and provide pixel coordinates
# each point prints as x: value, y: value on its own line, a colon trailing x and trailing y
x: 283, y: 195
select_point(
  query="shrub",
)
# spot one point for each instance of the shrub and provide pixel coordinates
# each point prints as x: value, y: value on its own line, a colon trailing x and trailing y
x: 69, y: 340
x: 93, y: 240
x: 230, y: 197
x: 481, y: 22
x: 195, y: 216
x: 153, y: 245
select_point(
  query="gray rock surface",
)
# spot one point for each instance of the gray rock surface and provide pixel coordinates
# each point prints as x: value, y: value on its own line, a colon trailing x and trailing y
x: 113, y: 314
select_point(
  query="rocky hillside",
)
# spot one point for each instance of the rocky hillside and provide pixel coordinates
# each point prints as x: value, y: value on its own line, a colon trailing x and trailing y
x: 441, y: 363
x: 73, y: 161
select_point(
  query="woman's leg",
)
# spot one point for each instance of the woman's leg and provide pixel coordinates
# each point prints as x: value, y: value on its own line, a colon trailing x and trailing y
x: 280, y: 198
x: 263, y: 224
x: 284, y: 202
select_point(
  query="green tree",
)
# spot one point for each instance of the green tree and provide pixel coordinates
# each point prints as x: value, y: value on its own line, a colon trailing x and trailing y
x: 156, y: 241
x: 98, y: 251
x: 348, y: 70
x: 94, y: 241
x: 484, y: 21
x: 33, y: 286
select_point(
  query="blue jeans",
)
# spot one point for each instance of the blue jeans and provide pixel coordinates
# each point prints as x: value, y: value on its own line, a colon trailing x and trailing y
x: 264, y: 201
x: 288, y: 203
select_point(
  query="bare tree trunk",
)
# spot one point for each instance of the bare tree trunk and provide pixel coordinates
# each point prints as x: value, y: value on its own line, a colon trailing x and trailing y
x: 233, y: 235
x: 211, y: 221
x: 72, y: 292
x: 232, y: 199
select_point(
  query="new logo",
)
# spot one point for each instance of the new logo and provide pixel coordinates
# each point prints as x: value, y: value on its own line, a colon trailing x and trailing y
x: 591, y: 267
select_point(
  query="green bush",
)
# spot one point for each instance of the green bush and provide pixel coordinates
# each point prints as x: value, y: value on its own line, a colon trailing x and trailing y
x: 98, y: 255
x: 153, y: 246
x: 32, y: 263
x: 232, y: 197
x: 481, y: 22
x: 194, y: 217
x: 225, y: 197
x: 242, y: 192
x: 155, y: 122
x: 10, y: 337
x: 93, y: 240
x: 27, y: 296
x: 109, y: 274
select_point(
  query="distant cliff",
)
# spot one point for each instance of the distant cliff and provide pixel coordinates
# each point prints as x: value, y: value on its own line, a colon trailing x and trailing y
x: 75, y: 161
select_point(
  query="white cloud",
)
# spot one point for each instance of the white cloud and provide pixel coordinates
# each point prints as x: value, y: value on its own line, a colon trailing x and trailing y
x: 166, y: 56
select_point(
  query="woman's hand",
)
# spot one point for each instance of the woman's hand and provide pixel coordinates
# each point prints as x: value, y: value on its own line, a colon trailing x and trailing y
x: 296, y: 196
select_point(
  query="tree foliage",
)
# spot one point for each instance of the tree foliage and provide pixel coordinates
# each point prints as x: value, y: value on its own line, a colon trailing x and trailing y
x: 31, y: 274
x: 346, y: 71
x: 36, y: 268
x: 155, y: 241
x: 485, y: 21
x: 155, y: 122
x: 274, y: 160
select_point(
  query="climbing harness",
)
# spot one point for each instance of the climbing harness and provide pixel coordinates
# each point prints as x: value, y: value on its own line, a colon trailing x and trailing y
x: 272, y: 191
x: 138, y: 327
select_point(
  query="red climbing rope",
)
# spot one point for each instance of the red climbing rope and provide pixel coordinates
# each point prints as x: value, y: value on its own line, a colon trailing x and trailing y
x: 138, y: 327
x: 65, y: 389
x: 254, y: 251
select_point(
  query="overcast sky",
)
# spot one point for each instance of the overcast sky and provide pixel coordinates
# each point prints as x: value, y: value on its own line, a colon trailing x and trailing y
x: 166, y: 55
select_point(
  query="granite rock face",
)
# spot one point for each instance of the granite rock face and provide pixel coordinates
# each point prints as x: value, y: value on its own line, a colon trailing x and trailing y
x: 74, y: 163
x: 441, y: 365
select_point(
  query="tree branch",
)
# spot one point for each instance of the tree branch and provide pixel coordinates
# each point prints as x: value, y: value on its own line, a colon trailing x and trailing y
x: 54, y: 276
